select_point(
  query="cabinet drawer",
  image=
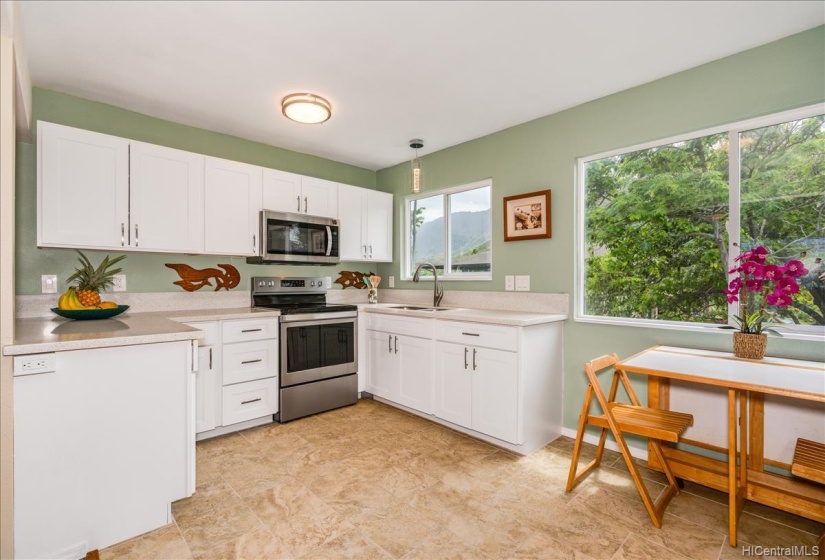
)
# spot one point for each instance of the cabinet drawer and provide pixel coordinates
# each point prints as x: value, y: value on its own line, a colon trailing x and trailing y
x: 478, y: 334
x: 246, y: 401
x: 243, y: 330
x: 410, y: 326
x: 211, y: 332
x: 247, y: 361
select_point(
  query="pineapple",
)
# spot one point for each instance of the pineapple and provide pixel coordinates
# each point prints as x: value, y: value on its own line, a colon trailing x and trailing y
x: 90, y: 280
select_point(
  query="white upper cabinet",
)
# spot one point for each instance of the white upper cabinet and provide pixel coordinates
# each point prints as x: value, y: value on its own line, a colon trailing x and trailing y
x: 82, y: 187
x: 232, y: 201
x: 319, y: 197
x: 366, y: 224
x: 282, y: 191
x: 289, y: 192
x: 165, y: 199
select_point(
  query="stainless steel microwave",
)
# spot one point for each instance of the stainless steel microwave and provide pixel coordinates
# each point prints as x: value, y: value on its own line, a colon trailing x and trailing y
x: 297, y: 238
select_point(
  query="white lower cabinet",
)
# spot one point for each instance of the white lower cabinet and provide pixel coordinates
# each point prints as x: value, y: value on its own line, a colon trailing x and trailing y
x: 237, y: 378
x: 496, y: 382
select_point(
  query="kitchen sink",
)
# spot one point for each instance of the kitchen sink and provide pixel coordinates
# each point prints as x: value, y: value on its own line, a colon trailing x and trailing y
x: 415, y: 308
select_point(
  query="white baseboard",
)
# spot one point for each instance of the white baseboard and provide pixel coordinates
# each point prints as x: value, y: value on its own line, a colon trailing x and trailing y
x: 75, y: 552
x: 609, y: 444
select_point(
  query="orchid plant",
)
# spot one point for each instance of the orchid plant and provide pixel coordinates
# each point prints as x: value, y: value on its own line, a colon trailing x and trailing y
x: 755, y: 280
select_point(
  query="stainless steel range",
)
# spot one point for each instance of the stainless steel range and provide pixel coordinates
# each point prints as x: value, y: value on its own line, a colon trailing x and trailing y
x: 317, y: 345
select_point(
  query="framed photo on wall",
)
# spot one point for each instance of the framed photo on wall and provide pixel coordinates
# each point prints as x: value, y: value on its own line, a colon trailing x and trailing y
x: 527, y: 216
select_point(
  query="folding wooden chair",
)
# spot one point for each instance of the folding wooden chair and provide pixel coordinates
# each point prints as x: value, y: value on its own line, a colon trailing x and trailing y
x: 657, y: 425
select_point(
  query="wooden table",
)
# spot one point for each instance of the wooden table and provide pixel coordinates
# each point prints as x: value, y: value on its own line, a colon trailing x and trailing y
x: 746, y: 381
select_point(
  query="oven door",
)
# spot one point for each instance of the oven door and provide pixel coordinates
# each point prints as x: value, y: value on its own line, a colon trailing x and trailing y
x: 314, y: 349
x: 298, y: 238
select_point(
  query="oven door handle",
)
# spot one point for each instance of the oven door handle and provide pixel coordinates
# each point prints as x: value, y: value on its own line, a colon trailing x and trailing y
x: 314, y: 317
x: 329, y: 241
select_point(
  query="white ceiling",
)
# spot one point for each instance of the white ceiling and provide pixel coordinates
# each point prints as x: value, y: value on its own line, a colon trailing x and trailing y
x: 446, y: 72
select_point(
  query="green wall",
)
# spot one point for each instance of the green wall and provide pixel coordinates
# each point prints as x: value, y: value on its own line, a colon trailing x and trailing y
x: 542, y: 154
x: 146, y: 272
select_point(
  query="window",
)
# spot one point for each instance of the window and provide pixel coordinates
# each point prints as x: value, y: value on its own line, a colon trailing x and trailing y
x: 660, y: 224
x: 451, y: 230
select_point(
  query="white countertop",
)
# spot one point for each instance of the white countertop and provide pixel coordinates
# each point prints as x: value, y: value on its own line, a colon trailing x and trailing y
x: 56, y: 334
x: 493, y: 316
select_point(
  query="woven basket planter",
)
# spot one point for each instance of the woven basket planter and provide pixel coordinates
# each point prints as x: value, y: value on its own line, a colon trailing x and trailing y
x: 749, y: 346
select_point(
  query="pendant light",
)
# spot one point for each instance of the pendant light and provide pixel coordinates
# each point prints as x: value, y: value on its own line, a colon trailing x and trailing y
x: 306, y: 108
x: 416, y: 143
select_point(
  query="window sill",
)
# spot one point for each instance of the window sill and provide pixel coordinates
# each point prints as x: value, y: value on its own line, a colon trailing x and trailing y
x: 449, y: 278
x: 696, y: 328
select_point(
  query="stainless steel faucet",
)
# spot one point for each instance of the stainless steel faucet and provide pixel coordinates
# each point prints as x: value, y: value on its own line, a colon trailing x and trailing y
x: 438, y: 291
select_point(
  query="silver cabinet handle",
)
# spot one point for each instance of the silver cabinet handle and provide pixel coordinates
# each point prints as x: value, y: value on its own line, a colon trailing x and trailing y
x: 305, y: 205
x: 389, y: 344
x: 210, y: 358
x: 474, y: 358
x: 137, y: 242
x: 299, y: 203
x: 252, y: 361
x: 122, y: 234
x: 254, y: 243
x: 465, y: 357
x: 396, y: 345
x: 253, y: 400
x: 252, y: 330
x: 370, y: 251
x: 365, y: 251
x: 470, y: 334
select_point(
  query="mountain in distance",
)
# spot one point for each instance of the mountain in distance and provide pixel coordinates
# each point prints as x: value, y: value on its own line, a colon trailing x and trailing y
x: 470, y: 230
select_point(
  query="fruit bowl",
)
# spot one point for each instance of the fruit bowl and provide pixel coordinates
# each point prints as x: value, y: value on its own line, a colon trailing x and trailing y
x: 90, y: 314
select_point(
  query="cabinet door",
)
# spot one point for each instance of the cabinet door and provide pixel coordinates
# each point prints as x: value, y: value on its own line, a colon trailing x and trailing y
x: 233, y: 205
x: 384, y: 371
x: 416, y: 373
x: 282, y: 191
x: 495, y: 393
x: 82, y: 187
x: 453, y: 383
x: 352, y: 230
x: 319, y: 197
x: 165, y: 199
x: 207, y: 386
x: 379, y: 226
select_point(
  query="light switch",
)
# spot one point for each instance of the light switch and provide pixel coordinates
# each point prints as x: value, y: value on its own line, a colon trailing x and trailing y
x: 392, y: 281
x: 523, y: 283
x: 509, y: 283
x: 48, y: 284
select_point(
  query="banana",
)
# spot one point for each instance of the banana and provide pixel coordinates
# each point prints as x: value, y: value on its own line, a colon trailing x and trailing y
x: 61, y: 303
x: 72, y: 301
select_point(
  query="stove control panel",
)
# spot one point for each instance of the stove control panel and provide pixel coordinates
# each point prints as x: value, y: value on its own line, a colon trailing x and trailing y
x: 268, y: 285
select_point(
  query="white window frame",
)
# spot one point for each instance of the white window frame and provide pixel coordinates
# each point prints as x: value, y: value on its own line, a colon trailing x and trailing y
x: 797, y: 332
x: 446, y: 275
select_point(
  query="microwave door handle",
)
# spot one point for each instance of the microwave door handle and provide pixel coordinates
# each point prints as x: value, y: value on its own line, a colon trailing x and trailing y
x: 329, y: 240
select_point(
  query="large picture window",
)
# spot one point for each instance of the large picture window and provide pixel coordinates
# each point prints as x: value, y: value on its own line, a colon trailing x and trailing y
x: 661, y: 224
x: 450, y: 229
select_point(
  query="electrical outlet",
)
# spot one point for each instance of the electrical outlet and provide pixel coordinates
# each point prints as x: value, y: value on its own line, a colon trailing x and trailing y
x: 523, y: 283
x: 34, y: 363
x: 509, y: 283
x: 119, y: 283
x: 392, y: 281
x: 328, y: 281
x: 48, y: 284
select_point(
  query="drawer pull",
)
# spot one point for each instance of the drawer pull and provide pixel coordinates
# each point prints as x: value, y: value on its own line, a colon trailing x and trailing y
x: 474, y: 359
x: 252, y: 330
x: 251, y: 361
x: 465, y: 357
x: 252, y: 401
x: 470, y: 334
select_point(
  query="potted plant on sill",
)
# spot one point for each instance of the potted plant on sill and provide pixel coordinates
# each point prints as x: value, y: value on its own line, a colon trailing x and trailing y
x: 759, y: 286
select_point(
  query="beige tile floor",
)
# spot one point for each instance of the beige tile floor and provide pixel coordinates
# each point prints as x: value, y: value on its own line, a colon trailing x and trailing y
x: 370, y: 481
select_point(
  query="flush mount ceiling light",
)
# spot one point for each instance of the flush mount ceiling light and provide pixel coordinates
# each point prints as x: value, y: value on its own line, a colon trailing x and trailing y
x: 306, y: 108
x: 416, y: 143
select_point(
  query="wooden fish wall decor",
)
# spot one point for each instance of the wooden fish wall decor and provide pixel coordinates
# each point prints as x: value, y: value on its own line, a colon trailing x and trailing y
x: 193, y: 279
x: 354, y: 279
